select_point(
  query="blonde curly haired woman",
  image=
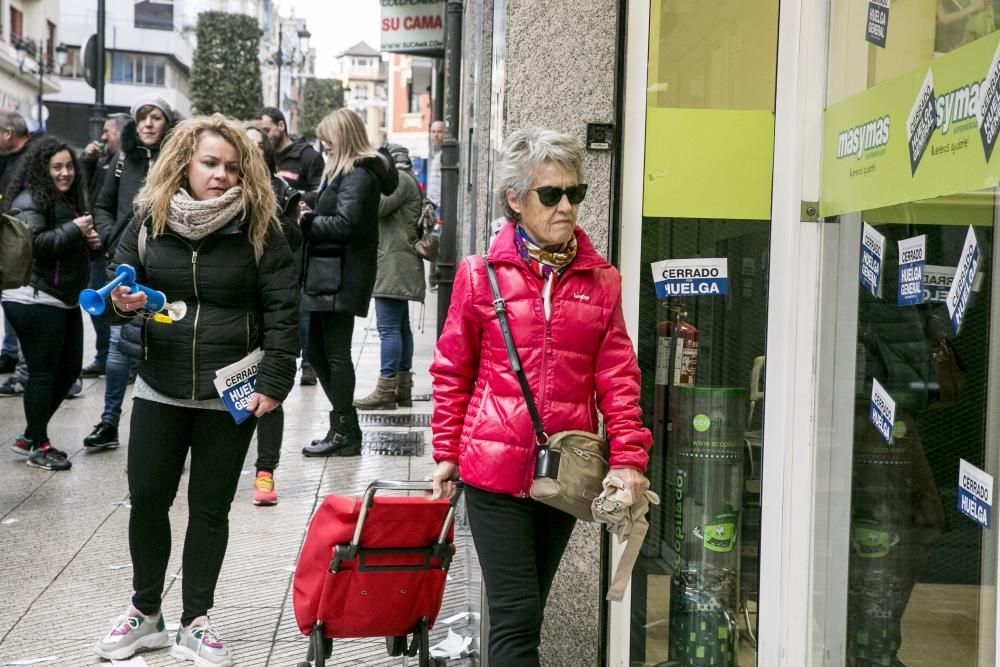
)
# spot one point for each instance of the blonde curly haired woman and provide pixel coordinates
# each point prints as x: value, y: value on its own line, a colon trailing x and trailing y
x: 206, y: 235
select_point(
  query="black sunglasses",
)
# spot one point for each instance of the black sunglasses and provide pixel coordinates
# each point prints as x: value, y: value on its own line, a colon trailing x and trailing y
x: 550, y: 196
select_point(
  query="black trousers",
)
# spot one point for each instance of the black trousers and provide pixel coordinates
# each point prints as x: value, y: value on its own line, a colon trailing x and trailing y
x: 269, y: 433
x: 52, y: 344
x: 159, y: 439
x: 520, y: 543
x: 330, y: 356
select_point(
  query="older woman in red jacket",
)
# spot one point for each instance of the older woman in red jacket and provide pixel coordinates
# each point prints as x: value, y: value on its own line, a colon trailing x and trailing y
x: 564, y: 304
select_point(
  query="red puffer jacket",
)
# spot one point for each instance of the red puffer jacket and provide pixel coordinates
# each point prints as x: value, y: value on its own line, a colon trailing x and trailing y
x: 578, y: 362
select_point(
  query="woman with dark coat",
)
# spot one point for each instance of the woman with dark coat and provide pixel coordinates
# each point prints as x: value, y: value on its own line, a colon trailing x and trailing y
x: 400, y: 280
x: 209, y: 238
x: 141, y: 140
x: 271, y: 426
x: 341, y: 250
x: 48, y: 194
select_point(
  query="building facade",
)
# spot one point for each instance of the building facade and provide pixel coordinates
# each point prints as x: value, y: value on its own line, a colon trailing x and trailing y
x: 802, y: 202
x: 150, y: 46
x: 408, y: 108
x: 37, y: 24
x: 364, y: 76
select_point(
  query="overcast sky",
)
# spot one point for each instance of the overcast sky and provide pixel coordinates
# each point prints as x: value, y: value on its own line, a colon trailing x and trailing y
x: 336, y: 25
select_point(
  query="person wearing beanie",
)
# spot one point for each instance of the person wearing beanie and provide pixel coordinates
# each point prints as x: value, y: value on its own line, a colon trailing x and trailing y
x: 152, y: 118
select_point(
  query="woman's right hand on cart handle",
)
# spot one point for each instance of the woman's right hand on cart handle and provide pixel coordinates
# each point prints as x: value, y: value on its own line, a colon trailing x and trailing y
x: 443, y: 478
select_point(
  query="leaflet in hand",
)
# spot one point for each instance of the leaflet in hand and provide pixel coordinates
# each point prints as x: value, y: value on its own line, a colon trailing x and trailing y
x: 235, y: 384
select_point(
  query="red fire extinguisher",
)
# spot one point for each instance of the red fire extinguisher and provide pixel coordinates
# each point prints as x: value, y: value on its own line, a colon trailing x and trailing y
x: 683, y: 366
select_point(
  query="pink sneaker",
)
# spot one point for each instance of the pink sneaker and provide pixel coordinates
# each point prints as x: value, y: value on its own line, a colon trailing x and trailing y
x: 263, y: 489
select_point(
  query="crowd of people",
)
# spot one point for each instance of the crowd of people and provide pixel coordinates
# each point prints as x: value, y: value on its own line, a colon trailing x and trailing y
x: 270, y: 245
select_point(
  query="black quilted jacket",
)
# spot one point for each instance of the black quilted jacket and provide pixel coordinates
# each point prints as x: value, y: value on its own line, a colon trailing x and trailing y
x: 341, y: 251
x: 234, y: 305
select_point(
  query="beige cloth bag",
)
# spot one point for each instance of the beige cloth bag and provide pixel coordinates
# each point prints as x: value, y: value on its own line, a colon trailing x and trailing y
x: 625, y: 518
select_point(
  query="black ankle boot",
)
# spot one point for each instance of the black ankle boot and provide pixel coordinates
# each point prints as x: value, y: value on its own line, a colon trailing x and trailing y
x: 341, y: 440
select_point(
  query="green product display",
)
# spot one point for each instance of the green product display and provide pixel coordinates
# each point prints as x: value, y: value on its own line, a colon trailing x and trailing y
x: 876, y: 593
x: 707, y: 460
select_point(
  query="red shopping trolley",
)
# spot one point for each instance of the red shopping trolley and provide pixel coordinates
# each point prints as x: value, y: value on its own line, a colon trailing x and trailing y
x: 374, y: 567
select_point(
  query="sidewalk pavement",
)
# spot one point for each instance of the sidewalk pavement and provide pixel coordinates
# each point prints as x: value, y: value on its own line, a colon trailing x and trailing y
x: 66, y: 571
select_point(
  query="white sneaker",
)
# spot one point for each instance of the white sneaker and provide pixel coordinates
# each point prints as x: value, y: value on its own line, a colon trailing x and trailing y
x: 201, y: 644
x: 133, y: 632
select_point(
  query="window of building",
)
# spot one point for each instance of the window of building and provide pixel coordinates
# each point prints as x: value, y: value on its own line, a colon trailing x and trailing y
x: 361, y: 93
x: 154, y: 14
x: 138, y: 68
x: 16, y: 24
x: 73, y: 69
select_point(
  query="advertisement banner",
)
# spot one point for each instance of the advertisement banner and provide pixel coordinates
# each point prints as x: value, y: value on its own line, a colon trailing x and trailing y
x: 413, y: 26
x: 872, y: 258
x: 926, y: 133
x: 691, y: 277
x: 912, y: 255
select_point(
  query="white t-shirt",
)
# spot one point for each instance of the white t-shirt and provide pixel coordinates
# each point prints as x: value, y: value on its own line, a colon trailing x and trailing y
x: 32, y: 296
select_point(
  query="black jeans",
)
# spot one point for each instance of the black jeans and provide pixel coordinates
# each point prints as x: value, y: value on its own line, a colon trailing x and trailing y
x: 330, y: 356
x: 520, y: 543
x: 269, y: 432
x: 160, y: 438
x: 52, y: 343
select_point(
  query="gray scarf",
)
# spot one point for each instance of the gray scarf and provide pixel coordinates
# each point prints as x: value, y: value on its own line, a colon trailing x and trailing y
x: 194, y: 220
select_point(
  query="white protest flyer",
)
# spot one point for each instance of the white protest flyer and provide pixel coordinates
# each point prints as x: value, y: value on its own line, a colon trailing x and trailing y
x: 872, y: 258
x: 708, y: 276
x: 235, y: 384
x: 975, y: 493
x: 922, y: 121
x: 912, y: 255
x: 883, y: 411
x: 988, y: 106
x: 878, y: 22
x: 960, y: 294
x: 938, y: 280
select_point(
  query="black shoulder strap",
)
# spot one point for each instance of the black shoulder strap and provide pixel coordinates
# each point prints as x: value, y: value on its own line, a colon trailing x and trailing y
x: 515, y: 361
x: 120, y: 165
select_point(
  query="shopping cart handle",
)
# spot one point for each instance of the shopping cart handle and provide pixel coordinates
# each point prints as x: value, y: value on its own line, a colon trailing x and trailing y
x: 404, y: 485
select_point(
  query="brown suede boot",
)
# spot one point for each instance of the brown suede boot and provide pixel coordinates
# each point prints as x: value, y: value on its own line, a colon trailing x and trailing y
x: 383, y: 398
x: 404, y: 390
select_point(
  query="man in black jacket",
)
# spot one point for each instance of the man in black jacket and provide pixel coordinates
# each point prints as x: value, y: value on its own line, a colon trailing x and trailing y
x: 151, y: 119
x: 97, y: 159
x: 302, y: 168
x: 298, y: 162
x: 14, y: 140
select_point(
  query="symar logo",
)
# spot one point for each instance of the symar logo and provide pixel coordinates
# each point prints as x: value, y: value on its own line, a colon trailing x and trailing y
x: 868, y: 136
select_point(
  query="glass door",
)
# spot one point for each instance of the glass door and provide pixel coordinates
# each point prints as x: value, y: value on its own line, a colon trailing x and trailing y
x: 921, y: 565
x: 702, y: 315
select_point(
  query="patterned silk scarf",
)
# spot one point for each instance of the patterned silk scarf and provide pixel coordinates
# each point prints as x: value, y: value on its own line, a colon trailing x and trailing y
x: 543, y: 262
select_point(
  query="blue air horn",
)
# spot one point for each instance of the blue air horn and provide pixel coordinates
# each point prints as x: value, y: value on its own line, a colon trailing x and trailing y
x: 93, y: 300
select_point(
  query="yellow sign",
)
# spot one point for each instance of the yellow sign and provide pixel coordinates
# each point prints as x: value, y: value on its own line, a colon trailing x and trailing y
x: 917, y: 136
x: 708, y: 163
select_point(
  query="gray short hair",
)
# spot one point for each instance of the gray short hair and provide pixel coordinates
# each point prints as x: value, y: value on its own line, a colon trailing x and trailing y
x: 524, y: 152
x: 119, y: 120
x: 13, y: 121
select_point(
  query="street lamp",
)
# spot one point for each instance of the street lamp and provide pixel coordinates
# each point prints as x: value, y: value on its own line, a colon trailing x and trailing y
x: 44, y: 65
x: 280, y: 60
